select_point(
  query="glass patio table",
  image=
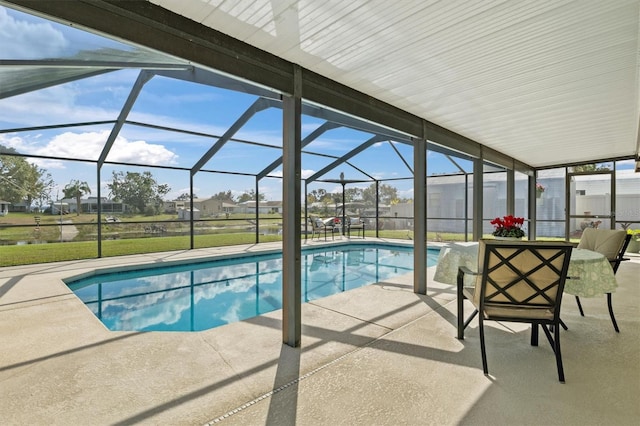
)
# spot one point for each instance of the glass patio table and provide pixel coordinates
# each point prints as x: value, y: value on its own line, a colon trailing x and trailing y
x: 591, y: 273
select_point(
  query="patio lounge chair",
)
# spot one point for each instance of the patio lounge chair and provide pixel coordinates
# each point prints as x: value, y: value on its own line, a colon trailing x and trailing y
x: 612, y: 244
x: 517, y: 282
x: 355, y: 224
x: 320, y: 227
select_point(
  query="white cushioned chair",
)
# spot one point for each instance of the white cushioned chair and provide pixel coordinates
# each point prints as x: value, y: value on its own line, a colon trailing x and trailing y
x: 612, y: 244
x: 318, y: 227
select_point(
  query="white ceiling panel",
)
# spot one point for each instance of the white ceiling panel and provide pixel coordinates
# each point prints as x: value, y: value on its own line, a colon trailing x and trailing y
x: 546, y: 82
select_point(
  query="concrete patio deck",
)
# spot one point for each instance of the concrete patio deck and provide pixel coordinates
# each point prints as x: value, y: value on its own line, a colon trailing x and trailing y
x: 376, y: 355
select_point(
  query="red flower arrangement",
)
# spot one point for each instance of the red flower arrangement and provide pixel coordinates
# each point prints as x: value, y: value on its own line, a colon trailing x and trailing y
x: 508, y: 226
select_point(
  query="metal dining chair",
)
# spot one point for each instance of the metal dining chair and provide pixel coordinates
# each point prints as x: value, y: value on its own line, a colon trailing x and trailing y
x: 517, y: 282
x: 612, y: 244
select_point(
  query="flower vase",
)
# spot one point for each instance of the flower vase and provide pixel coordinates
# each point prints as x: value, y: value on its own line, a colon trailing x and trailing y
x: 538, y: 194
x: 508, y: 238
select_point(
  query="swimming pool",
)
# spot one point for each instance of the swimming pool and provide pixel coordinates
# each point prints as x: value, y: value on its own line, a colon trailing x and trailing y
x: 204, y: 295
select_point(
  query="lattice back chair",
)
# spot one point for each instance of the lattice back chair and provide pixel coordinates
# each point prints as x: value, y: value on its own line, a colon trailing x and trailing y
x: 517, y: 282
x: 612, y: 244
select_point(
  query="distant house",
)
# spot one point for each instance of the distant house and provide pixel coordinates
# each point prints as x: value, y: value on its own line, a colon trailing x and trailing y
x: 214, y: 207
x: 264, y: 207
x: 4, y: 207
x: 206, y: 207
x: 21, y: 207
x: 175, y: 205
x: 589, y: 195
x: 59, y: 207
x: 185, y: 214
x: 90, y: 205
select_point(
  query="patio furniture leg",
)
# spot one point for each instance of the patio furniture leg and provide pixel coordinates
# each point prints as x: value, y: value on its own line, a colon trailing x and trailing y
x: 556, y: 349
x: 534, y: 334
x: 554, y: 341
x: 460, y: 314
x: 613, y: 318
x: 485, y: 368
x: 563, y: 325
x: 579, y: 306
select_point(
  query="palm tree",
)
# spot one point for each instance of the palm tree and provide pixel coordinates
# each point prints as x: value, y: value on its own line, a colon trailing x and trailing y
x: 76, y: 189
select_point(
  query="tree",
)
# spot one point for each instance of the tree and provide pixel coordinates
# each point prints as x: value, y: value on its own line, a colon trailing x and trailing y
x: 21, y: 181
x: 185, y: 197
x: 387, y: 193
x: 316, y: 195
x: 336, y: 197
x: 43, y: 189
x: 352, y: 194
x: 138, y: 190
x: 250, y: 195
x: 224, y: 196
x: 589, y: 168
x: 76, y: 189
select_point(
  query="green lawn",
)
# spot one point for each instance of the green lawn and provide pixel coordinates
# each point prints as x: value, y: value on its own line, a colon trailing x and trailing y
x: 12, y: 255
x: 55, y: 252
x: 21, y: 234
x: 130, y: 238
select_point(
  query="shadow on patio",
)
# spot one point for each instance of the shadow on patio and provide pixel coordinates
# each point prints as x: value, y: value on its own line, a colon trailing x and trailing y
x: 375, y: 355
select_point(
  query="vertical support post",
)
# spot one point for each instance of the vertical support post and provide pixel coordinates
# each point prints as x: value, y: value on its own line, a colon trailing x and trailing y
x: 61, y: 217
x: 257, y: 212
x: 191, y: 222
x: 306, y: 210
x: 533, y: 206
x: 613, y: 199
x: 567, y: 202
x: 478, y: 186
x: 343, y: 211
x: 377, y: 208
x: 291, y: 246
x: 511, y: 191
x: 420, y: 214
x: 143, y: 77
x: 466, y: 207
x: 98, y: 169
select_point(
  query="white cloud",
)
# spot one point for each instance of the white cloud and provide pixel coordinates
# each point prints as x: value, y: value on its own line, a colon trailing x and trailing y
x: 141, y: 152
x: 21, y: 39
x: 52, y: 106
x: 408, y: 193
x: 272, y: 192
x: 235, y: 193
x: 626, y: 163
x: 48, y: 164
x: 14, y: 142
x: 90, y: 144
x: 305, y: 173
x: 180, y: 99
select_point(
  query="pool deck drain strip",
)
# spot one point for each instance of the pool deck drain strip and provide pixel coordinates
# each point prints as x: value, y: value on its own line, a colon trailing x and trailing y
x: 283, y: 387
x: 312, y: 372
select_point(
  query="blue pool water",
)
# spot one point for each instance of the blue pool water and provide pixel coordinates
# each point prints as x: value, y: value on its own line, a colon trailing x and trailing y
x: 205, y: 295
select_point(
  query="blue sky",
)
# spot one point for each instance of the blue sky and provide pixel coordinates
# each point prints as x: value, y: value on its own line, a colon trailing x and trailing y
x: 172, y: 103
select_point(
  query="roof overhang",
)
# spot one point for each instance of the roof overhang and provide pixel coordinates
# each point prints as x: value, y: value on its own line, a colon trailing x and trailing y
x: 544, y: 83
